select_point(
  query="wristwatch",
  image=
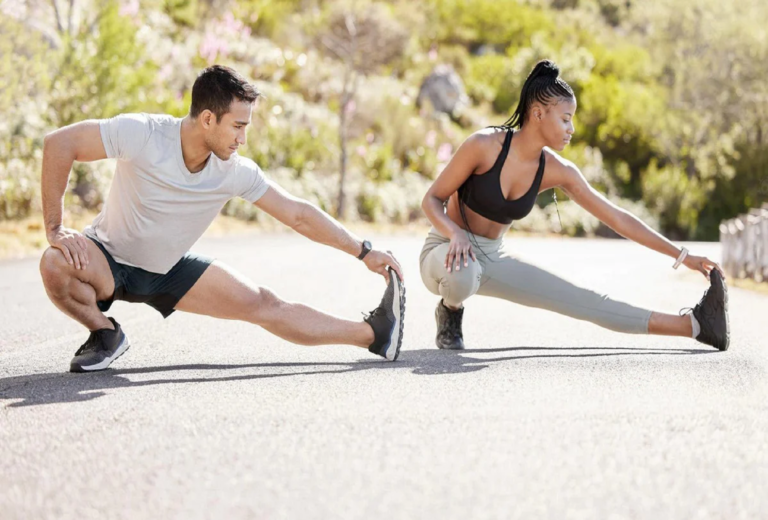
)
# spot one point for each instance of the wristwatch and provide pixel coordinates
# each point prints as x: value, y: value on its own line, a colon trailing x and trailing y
x: 365, y: 251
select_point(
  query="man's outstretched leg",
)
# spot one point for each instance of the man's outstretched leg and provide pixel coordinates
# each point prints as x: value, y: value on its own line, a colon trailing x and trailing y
x: 223, y: 293
x: 76, y: 293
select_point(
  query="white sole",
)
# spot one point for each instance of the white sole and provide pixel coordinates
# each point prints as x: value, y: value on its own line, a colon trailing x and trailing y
x: 395, y: 341
x: 108, y: 361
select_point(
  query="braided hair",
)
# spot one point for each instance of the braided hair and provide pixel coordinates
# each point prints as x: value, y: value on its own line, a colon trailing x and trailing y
x: 543, y: 85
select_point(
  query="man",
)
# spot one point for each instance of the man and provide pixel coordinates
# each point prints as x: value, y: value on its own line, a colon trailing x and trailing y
x: 173, y: 176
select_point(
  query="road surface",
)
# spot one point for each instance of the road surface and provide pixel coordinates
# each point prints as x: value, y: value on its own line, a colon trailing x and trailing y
x: 542, y: 417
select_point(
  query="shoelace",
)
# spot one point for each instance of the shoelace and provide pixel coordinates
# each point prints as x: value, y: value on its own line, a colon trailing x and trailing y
x: 378, y: 311
x: 92, y: 344
x: 688, y: 310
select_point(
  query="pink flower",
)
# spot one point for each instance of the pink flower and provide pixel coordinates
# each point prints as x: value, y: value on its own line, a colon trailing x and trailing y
x: 231, y: 25
x: 165, y: 71
x: 431, y: 139
x: 444, y: 152
x: 350, y: 108
x: 432, y: 54
x: 129, y: 8
x: 361, y: 151
x: 212, y: 46
x: 221, y: 32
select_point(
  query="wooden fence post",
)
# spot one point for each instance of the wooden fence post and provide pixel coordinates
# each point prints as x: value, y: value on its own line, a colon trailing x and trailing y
x: 744, y: 243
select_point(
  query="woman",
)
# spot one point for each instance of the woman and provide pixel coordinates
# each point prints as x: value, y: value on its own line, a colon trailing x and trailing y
x: 492, y: 180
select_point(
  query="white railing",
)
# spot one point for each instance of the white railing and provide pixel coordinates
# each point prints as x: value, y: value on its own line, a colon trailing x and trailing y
x: 744, y: 240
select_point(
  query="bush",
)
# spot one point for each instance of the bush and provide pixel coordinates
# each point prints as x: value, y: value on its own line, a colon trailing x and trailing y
x: 675, y: 197
x: 398, y: 201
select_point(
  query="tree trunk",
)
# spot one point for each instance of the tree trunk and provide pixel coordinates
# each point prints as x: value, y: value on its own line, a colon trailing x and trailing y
x: 59, y: 24
x: 341, y: 206
x: 347, y: 95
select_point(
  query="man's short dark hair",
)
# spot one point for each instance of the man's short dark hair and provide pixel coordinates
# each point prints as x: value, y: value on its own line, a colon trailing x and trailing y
x: 216, y: 87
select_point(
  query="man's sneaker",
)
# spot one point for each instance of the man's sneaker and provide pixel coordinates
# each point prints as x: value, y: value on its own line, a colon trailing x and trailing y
x: 449, y: 335
x: 386, y: 320
x: 712, y: 313
x: 100, y: 350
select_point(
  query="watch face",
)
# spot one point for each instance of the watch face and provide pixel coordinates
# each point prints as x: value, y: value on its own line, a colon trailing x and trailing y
x: 366, y: 249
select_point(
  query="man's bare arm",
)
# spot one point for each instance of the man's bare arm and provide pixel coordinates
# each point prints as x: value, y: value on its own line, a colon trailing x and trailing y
x: 77, y: 142
x: 317, y: 225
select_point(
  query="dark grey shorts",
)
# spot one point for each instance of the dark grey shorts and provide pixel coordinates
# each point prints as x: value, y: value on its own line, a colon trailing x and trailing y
x: 160, y: 291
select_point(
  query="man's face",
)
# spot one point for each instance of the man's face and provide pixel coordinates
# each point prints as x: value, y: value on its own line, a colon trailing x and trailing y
x: 225, y: 136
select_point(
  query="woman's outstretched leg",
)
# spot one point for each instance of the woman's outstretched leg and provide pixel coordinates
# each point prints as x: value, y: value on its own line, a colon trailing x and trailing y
x: 518, y: 281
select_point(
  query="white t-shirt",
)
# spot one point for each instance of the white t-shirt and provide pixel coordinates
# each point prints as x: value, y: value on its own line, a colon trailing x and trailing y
x: 156, y: 209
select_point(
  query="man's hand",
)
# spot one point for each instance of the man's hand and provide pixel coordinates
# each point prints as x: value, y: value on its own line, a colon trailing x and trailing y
x: 73, y: 244
x: 377, y: 261
x: 702, y: 264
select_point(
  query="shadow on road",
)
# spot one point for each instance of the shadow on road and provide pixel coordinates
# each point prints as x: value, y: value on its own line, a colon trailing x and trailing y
x: 50, y: 388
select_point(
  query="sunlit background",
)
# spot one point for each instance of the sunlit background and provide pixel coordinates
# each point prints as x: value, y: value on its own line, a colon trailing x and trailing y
x: 672, y: 121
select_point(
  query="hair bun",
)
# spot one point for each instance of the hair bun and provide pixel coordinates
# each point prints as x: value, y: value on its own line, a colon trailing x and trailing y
x: 546, y: 68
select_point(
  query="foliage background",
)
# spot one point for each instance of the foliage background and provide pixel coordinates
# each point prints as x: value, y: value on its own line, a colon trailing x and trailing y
x: 673, y: 103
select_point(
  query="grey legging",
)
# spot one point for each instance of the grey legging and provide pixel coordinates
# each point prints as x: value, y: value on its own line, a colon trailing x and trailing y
x: 503, y: 276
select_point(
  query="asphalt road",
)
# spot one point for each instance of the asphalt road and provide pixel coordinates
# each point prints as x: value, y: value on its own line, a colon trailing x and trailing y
x: 542, y: 416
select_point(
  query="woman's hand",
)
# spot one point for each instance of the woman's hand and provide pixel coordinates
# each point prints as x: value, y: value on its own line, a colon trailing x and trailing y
x: 460, y: 247
x: 702, y: 264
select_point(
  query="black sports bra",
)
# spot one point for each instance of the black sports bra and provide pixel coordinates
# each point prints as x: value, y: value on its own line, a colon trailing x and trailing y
x: 482, y: 193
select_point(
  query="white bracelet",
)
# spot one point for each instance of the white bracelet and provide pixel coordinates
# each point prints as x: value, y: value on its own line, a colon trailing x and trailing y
x: 680, y: 258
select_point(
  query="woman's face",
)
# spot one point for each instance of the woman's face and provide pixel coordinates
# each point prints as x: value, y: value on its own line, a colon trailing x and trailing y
x: 555, y: 122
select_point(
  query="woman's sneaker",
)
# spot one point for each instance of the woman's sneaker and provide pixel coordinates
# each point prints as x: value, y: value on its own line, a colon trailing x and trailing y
x: 101, y: 348
x: 387, y: 320
x: 712, y: 313
x: 449, y: 335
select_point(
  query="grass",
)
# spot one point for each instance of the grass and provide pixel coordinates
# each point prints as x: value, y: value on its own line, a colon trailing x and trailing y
x: 748, y: 284
x: 25, y: 237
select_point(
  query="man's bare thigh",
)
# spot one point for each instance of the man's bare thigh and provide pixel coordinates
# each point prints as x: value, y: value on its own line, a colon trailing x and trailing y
x: 222, y: 292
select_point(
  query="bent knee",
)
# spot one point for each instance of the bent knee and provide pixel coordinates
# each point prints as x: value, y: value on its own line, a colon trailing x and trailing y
x: 457, y: 286
x: 54, y: 268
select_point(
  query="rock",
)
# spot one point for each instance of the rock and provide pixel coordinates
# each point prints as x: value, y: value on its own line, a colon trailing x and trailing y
x: 444, y: 90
